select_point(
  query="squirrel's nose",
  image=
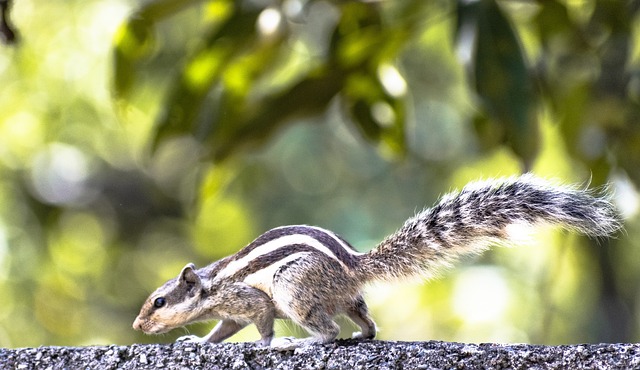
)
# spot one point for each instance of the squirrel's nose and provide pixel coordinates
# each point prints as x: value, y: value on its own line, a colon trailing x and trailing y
x: 137, y: 324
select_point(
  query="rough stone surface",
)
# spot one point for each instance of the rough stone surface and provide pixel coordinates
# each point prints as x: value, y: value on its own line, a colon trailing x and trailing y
x: 340, y: 355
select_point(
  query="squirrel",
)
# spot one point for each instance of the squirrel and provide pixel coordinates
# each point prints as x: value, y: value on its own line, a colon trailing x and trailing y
x: 309, y: 274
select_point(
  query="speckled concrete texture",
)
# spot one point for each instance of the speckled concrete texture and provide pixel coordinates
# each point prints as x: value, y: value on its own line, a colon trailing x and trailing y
x: 340, y: 355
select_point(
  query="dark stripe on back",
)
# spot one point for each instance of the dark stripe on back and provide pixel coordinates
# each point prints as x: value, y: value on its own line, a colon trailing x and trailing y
x: 268, y: 236
x: 269, y: 259
x: 321, y: 236
x: 213, y: 269
x: 331, y: 243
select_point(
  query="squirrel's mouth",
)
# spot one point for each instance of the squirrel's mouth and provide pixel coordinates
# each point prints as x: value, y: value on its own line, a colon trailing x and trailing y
x: 149, y: 326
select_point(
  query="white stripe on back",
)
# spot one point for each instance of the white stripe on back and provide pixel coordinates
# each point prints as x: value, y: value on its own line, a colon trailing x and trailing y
x: 336, y: 238
x: 263, y: 279
x: 273, y: 245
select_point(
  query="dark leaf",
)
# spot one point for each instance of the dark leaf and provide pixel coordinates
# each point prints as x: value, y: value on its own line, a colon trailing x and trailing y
x: 503, y: 83
x: 377, y: 114
x: 357, y: 36
x: 202, y: 72
x: 553, y: 20
x: 134, y: 40
x: 7, y: 33
x: 307, y: 97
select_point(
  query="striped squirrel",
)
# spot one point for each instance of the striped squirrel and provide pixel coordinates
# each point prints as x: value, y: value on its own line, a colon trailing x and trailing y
x: 309, y: 275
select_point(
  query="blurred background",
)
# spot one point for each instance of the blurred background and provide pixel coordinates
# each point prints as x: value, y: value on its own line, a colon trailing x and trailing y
x: 138, y: 136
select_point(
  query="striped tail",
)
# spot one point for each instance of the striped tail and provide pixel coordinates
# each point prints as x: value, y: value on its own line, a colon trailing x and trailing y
x: 481, y: 215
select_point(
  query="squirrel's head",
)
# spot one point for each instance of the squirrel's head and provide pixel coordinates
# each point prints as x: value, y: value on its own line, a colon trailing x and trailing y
x: 173, y: 305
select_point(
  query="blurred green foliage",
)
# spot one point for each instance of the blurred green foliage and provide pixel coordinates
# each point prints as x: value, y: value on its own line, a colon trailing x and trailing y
x: 137, y: 137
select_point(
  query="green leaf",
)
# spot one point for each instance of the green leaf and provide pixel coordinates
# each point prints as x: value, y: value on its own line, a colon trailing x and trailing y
x: 502, y: 81
x: 552, y: 20
x: 362, y: 43
x: 361, y: 38
x: 203, y: 71
x: 311, y: 95
x: 357, y: 35
x: 134, y: 40
x: 376, y: 113
x: 355, y: 40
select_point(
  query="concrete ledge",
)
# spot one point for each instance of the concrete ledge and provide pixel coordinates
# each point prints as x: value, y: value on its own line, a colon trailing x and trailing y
x: 340, y: 355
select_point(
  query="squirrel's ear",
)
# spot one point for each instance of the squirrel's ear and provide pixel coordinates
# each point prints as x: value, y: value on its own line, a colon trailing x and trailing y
x: 188, y: 275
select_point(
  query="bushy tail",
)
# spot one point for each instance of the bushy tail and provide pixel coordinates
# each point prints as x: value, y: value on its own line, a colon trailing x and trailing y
x: 480, y: 215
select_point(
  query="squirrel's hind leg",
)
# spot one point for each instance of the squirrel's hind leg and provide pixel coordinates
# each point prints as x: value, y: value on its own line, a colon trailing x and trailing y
x: 314, y: 316
x: 311, y: 292
x: 359, y: 314
x: 322, y: 326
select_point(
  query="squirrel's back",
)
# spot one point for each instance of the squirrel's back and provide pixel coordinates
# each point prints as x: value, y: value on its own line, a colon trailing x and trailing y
x: 481, y: 215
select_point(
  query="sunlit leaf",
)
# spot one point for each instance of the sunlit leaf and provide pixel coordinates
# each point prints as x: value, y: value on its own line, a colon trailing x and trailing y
x: 360, y: 93
x: 356, y: 34
x: 361, y: 37
x: 362, y: 44
x: 356, y: 42
x: 210, y: 98
x: 133, y: 41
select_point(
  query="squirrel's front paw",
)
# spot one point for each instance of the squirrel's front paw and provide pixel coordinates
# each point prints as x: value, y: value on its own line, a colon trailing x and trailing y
x: 190, y: 339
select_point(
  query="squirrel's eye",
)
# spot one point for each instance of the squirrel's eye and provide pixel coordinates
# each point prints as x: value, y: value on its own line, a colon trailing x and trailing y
x: 159, y: 302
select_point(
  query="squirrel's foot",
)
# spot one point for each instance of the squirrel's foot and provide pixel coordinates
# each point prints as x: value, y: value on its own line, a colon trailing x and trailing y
x: 361, y: 335
x: 284, y: 343
x: 191, y: 339
x: 290, y: 343
x: 265, y: 342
